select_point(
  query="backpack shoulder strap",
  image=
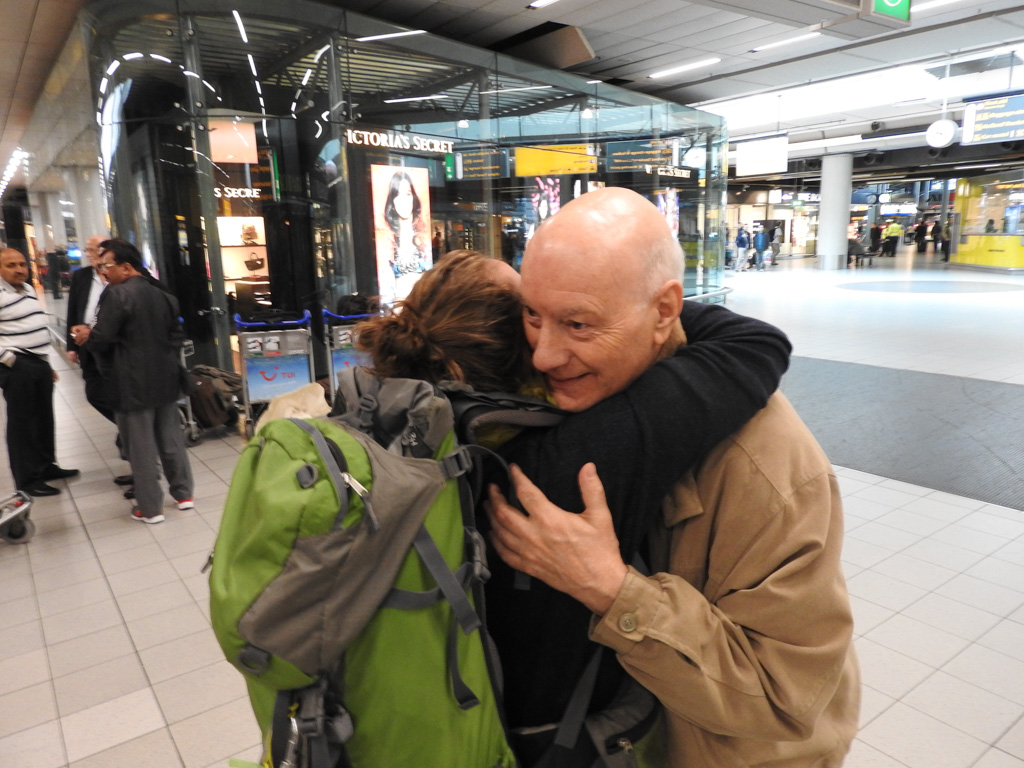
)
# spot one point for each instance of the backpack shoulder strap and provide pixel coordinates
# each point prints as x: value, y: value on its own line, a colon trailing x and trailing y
x: 473, y: 410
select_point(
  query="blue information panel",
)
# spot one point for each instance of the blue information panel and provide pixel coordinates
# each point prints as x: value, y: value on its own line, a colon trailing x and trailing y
x: 268, y: 377
x: 993, y: 120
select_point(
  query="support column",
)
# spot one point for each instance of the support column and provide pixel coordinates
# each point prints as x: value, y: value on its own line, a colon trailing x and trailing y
x: 834, y: 213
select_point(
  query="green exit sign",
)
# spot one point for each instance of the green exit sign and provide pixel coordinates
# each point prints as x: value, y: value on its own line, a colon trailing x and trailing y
x: 897, y: 9
x: 894, y: 14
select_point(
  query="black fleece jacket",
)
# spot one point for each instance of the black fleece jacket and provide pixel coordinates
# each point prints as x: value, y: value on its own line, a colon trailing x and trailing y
x: 642, y: 440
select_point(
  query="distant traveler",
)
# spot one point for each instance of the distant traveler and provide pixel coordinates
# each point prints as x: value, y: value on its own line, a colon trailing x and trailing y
x: 920, y: 233
x: 776, y: 243
x: 937, y: 235
x: 742, y: 247
x: 892, y: 234
x: 761, y: 244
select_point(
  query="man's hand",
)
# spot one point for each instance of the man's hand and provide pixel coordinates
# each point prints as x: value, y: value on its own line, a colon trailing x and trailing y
x: 575, y: 554
x: 80, y: 333
x: 73, y: 356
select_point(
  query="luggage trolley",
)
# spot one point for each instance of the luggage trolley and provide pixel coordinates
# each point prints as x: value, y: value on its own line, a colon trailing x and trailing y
x: 277, y: 358
x: 185, y: 414
x: 15, y: 527
x: 341, y: 345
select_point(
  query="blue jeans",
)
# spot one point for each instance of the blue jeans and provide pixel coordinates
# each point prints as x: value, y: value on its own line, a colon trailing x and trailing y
x: 759, y: 259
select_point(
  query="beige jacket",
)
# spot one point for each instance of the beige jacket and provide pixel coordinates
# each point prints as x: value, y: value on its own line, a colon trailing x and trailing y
x: 745, y: 634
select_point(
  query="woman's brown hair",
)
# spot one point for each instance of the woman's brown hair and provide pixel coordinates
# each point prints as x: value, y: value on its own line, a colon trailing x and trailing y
x: 458, y: 323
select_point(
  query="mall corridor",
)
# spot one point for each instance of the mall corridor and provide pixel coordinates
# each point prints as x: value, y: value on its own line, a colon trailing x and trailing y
x: 107, y: 659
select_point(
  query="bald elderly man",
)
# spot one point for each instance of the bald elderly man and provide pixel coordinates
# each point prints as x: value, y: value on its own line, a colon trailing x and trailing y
x: 744, y: 630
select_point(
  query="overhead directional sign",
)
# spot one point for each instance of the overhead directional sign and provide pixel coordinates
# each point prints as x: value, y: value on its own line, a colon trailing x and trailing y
x: 889, y: 12
x: 994, y: 120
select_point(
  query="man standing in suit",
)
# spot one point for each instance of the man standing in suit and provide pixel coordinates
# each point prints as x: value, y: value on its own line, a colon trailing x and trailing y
x: 87, y: 285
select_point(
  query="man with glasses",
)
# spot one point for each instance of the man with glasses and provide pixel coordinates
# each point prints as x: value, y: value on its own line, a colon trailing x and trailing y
x: 27, y: 380
x: 137, y: 337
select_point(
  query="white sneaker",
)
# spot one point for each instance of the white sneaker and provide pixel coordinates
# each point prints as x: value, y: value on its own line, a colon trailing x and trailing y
x: 137, y: 515
x: 187, y: 504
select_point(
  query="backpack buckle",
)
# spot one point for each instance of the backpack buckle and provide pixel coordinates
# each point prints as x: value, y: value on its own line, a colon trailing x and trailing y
x: 457, y: 463
x: 476, y: 556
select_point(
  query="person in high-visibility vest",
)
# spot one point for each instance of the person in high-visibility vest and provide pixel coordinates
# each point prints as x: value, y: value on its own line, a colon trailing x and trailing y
x: 892, y: 234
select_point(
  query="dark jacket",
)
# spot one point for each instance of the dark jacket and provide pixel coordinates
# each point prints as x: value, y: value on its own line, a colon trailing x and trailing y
x: 137, y: 337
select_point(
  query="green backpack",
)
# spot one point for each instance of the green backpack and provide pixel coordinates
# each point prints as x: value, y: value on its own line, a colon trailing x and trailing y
x: 345, y: 586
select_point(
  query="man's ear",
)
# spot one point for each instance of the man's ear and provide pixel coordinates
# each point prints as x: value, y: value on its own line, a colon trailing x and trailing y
x: 668, y: 301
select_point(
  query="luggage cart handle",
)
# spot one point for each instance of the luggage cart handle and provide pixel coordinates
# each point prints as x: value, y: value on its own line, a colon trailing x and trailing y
x: 328, y: 316
x: 304, y: 320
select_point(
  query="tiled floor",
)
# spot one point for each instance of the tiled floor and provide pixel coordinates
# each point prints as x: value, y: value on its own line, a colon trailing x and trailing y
x: 107, y: 659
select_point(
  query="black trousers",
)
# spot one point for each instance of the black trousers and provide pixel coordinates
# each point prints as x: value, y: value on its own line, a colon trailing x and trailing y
x: 28, y: 390
x: 95, y: 387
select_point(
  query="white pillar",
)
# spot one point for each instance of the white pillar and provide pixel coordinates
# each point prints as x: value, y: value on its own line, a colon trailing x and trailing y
x: 55, y: 218
x: 834, y: 212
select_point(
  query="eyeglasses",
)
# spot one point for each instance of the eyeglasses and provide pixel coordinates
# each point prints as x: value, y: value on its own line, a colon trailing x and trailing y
x: 105, y: 265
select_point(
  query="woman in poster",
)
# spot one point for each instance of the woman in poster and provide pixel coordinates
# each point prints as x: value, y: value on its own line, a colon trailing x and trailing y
x: 403, y: 213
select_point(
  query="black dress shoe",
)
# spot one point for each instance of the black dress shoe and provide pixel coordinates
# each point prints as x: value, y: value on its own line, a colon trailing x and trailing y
x: 124, y: 479
x: 129, y: 492
x: 40, y: 488
x: 59, y: 473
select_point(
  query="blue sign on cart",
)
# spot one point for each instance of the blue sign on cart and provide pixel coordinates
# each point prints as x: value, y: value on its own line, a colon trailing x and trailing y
x: 268, y: 377
x: 348, y: 357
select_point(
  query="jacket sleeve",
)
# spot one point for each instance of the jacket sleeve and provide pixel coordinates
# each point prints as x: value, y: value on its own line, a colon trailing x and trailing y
x: 109, y: 319
x: 742, y: 659
x: 75, y: 308
x: 644, y: 439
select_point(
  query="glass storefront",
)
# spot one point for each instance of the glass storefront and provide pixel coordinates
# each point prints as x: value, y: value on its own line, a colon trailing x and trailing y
x: 282, y: 157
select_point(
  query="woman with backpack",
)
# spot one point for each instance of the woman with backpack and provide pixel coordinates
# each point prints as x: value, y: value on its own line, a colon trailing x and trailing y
x: 463, y: 321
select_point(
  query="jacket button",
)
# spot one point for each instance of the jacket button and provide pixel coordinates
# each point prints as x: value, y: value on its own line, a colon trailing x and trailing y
x: 627, y: 622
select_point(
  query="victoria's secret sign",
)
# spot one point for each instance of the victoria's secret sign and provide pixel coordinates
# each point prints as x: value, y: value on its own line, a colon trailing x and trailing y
x: 398, y: 141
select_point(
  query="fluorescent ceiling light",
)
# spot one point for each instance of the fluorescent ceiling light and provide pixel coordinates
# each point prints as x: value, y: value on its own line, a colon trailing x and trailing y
x: 594, y: 82
x: 415, y: 98
x: 241, y: 27
x: 527, y: 88
x: 970, y: 167
x: 158, y: 57
x: 252, y: 65
x: 391, y: 34
x: 929, y: 5
x: 541, y: 3
x: 305, y: 77
x: 130, y: 56
x: 790, y: 40
x: 113, y: 67
x: 684, y: 68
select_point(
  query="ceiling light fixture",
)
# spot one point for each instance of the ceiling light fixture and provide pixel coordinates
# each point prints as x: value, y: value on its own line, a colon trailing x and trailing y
x: 527, y: 88
x: 540, y: 4
x: 684, y: 68
x: 390, y: 35
x: 463, y: 124
x: 594, y: 82
x: 130, y: 56
x: 587, y: 113
x: 929, y: 5
x: 241, y: 27
x: 252, y: 65
x: 158, y: 57
x: 797, y: 39
x: 415, y: 98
